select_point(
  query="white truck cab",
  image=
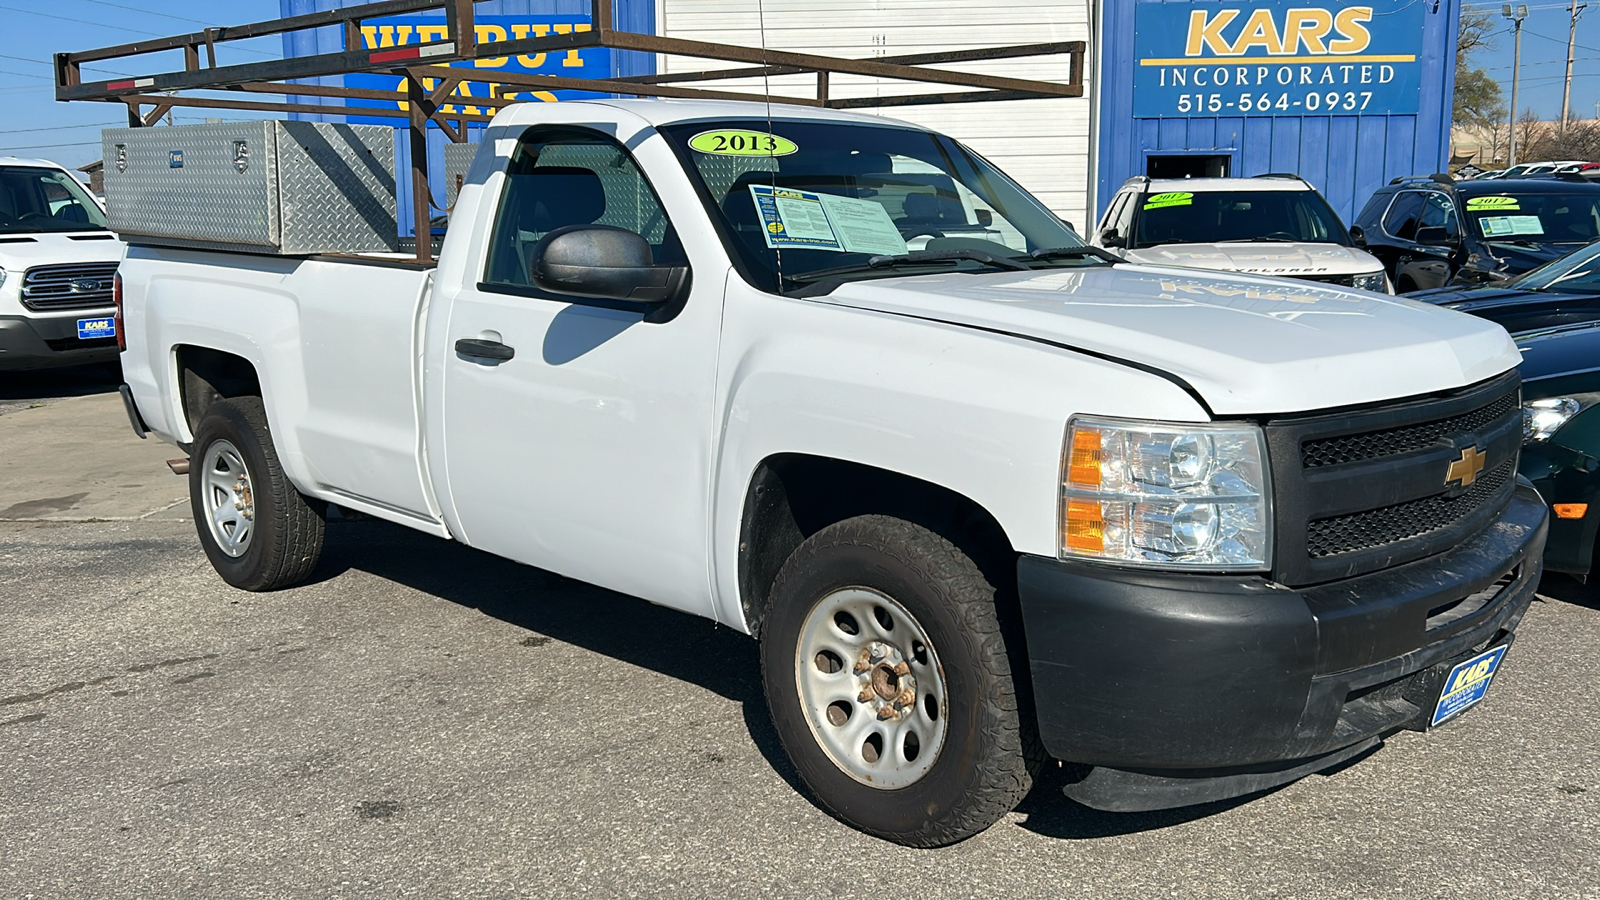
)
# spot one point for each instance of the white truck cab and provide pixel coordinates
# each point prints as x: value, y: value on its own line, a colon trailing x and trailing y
x: 984, y: 494
x: 1268, y: 225
x: 57, y: 263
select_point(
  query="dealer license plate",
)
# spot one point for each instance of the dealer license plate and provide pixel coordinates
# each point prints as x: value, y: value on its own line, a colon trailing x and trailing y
x: 89, y: 329
x: 1466, y: 684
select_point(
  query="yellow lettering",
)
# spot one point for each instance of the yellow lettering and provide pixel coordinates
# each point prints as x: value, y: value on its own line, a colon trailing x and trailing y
x: 1209, y: 34
x: 1308, y: 27
x: 572, y: 59
x: 1351, y: 24
x: 427, y: 34
x: 1259, y: 31
x: 490, y: 34
x: 377, y: 37
x: 521, y: 32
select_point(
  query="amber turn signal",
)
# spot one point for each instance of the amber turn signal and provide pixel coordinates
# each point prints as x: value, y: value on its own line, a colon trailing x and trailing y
x: 1570, y: 510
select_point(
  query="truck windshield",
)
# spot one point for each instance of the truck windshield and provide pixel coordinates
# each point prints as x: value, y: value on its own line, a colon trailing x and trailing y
x: 35, y: 200
x: 800, y: 201
x: 1532, y: 218
x: 1208, y: 217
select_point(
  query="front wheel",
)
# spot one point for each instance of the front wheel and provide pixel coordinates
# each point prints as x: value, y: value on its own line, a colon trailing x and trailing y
x: 889, y: 683
x: 258, y: 531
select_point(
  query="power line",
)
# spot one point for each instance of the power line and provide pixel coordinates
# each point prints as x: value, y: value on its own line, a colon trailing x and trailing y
x: 65, y: 128
x: 148, y: 12
x: 48, y: 146
x: 81, y: 22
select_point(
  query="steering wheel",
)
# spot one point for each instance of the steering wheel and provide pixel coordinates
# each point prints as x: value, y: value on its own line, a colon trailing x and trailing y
x: 1280, y: 234
x: 918, y: 231
x: 30, y: 215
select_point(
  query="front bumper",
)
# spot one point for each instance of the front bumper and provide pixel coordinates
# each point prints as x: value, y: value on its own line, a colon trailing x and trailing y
x: 44, y: 343
x: 1185, y: 688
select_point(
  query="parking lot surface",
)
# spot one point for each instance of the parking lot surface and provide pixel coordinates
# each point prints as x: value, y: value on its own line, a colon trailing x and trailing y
x: 426, y: 720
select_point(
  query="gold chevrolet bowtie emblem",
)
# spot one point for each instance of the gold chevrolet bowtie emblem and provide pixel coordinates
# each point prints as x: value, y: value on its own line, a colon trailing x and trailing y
x: 1466, y: 469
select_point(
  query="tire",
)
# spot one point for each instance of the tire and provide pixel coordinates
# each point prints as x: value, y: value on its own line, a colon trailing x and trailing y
x: 258, y: 531
x: 975, y: 751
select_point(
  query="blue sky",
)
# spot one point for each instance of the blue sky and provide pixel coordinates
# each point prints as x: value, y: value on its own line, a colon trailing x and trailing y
x: 33, y: 124
x: 1544, y: 55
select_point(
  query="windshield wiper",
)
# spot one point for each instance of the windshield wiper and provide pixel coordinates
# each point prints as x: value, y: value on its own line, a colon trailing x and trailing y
x: 1076, y: 253
x: 1263, y: 240
x: 914, y: 258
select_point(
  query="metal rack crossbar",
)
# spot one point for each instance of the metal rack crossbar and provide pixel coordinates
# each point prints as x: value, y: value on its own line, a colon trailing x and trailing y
x: 431, y: 84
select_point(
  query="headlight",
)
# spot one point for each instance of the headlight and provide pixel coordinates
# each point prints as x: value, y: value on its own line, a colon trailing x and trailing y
x: 1542, y: 418
x: 1376, y: 281
x: 1167, y: 495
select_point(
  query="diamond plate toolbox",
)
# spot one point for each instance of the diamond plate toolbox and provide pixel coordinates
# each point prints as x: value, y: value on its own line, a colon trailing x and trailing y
x: 287, y: 188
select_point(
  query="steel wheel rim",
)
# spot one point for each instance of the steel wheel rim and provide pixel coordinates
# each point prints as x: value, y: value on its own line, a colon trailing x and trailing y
x: 228, y: 498
x: 880, y: 715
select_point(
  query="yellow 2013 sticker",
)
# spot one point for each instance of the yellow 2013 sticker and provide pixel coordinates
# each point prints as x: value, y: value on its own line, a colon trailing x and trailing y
x: 1495, y: 204
x: 737, y: 142
x: 1163, y: 201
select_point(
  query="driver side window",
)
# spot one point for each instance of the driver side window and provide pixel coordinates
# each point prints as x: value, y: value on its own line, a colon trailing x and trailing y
x: 1439, y: 212
x: 561, y: 177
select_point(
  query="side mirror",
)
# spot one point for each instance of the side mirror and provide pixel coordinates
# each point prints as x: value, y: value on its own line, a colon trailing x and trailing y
x: 1434, y: 236
x: 1110, y: 238
x: 985, y: 217
x: 1358, y: 236
x: 604, y: 263
x: 1069, y: 226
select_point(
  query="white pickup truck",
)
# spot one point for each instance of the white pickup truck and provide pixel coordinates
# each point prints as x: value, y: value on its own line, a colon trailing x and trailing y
x: 986, y: 496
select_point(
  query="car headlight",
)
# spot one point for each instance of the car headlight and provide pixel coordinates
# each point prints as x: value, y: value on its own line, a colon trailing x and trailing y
x: 1166, y: 494
x: 1542, y: 418
x: 1376, y: 281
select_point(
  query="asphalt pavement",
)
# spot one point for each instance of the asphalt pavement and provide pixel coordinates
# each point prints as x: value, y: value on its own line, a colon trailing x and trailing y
x: 424, y: 720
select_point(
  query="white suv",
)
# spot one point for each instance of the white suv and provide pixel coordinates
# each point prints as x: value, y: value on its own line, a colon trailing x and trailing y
x: 1268, y: 225
x: 57, y: 265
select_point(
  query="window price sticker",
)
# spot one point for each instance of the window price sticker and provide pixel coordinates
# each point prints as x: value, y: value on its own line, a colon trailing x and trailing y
x: 812, y: 221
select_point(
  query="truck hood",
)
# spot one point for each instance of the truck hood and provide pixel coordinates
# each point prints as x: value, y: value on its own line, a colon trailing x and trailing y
x: 1294, y: 260
x: 24, y: 251
x: 1246, y: 345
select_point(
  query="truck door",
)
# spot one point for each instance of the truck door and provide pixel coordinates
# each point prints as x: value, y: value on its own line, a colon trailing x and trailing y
x: 588, y: 451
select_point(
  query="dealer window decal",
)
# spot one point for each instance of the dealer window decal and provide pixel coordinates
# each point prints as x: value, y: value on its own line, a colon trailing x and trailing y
x: 1168, y: 200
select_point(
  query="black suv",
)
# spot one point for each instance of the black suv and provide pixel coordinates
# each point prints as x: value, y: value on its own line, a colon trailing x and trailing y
x: 1430, y: 231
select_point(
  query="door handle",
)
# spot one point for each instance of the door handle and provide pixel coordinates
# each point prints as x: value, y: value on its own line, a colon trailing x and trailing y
x: 482, y: 349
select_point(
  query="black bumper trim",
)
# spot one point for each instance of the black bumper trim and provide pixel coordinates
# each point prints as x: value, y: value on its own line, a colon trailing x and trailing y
x: 1119, y: 790
x: 136, y: 420
x: 1182, y: 672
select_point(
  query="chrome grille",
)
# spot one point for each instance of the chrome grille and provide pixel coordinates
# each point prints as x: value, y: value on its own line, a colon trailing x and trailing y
x: 72, y: 286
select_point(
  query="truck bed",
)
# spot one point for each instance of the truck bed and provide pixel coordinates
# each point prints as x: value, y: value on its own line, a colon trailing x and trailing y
x: 342, y: 334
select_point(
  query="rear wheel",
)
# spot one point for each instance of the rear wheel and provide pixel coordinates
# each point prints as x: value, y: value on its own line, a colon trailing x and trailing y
x: 889, y: 683
x: 258, y: 531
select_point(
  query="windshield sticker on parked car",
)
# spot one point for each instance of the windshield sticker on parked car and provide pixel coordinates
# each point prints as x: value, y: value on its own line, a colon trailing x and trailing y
x: 1162, y: 201
x: 738, y: 142
x: 1507, y: 226
x: 1491, y: 204
x: 813, y: 221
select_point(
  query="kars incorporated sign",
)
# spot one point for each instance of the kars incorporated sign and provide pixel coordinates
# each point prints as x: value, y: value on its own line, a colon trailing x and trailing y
x: 402, y: 31
x: 1277, y: 58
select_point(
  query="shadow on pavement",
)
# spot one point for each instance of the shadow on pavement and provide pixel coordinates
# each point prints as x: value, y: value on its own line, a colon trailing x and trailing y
x: 675, y: 644
x: 49, y: 384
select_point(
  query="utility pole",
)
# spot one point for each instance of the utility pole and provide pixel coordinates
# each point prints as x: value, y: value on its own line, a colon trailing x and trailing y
x: 1572, y: 41
x: 1516, y: 16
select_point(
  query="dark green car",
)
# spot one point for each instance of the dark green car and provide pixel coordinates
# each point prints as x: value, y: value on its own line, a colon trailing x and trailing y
x: 1553, y: 313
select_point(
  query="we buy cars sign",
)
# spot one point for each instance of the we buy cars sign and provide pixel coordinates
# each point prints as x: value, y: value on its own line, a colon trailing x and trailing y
x: 404, y: 31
